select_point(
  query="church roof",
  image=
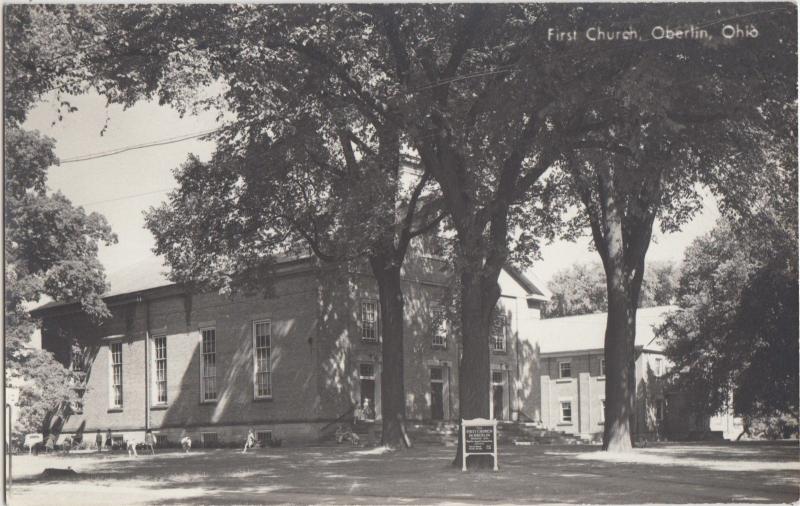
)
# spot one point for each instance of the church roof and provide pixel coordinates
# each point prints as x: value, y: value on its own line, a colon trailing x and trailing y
x: 150, y: 273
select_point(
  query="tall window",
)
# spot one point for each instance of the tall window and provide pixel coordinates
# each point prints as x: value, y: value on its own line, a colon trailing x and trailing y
x: 602, y: 411
x: 368, y: 319
x: 160, y: 355
x: 602, y: 367
x: 116, y: 375
x: 208, y: 366
x: 498, y: 338
x: 566, y: 411
x: 440, y: 334
x: 659, y: 367
x: 564, y: 370
x: 262, y: 381
x: 79, y: 382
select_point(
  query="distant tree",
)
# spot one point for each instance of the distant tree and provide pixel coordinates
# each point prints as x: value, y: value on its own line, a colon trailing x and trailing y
x: 50, y: 245
x: 660, y: 284
x: 581, y: 289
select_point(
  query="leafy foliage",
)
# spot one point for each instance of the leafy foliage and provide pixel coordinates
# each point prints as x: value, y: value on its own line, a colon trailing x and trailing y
x: 51, y: 246
x: 736, y: 334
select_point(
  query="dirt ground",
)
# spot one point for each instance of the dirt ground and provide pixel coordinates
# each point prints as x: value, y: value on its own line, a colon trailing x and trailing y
x: 670, y: 473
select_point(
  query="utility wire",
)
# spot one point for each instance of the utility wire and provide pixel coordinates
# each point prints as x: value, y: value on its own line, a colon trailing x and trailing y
x: 116, y: 151
x: 124, y: 197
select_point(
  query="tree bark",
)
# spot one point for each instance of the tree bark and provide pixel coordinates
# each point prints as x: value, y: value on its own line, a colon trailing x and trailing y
x: 392, y: 386
x: 620, y: 364
x: 480, y: 293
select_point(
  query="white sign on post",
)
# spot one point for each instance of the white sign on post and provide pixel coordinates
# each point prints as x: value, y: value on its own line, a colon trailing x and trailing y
x: 479, y: 437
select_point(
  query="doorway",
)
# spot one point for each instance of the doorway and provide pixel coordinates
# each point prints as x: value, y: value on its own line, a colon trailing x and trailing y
x: 437, y: 393
x: 498, y: 394
x: 366, y: 375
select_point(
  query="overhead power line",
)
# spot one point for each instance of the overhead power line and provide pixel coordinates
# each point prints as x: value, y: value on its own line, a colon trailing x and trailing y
x: 116, y: 151
x: 124, y: 197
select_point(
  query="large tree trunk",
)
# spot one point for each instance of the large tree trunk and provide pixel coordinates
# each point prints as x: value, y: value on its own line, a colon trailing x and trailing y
x: 620, y: 365
x: 391, y: 302
x: 479, y: 296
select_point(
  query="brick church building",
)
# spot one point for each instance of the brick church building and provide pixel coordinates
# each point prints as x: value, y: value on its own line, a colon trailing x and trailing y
x: 287, y: 365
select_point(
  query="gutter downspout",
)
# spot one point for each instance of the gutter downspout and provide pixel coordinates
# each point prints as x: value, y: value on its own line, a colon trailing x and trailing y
x: 146, y: 365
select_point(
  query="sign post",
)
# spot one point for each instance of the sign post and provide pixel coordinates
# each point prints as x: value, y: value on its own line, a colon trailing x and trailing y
x: 479, y: 437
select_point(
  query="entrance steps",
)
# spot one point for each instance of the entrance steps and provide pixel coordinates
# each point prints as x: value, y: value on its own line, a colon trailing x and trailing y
x: 523, y: 434
x: 445, y: 433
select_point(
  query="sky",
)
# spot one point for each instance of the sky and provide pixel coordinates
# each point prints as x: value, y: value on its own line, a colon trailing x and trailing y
x: 123, y: 186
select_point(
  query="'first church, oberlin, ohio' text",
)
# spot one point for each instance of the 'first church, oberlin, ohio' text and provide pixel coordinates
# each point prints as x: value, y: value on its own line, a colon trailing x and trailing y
x: 658, y: 32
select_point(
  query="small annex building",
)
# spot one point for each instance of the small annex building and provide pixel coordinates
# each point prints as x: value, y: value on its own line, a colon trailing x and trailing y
x: 288, y: 365
x: 572, y: 370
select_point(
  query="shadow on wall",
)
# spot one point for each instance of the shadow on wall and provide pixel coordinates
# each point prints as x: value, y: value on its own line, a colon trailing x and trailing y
x: 421, y: 304
x: 333, y: 342
x: 529, y: 381
x: 648, y: 420
x: 293, y: 375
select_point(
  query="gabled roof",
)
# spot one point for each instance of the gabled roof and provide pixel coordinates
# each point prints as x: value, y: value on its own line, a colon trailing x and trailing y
x: 536, y: 289
x: 587, y: 332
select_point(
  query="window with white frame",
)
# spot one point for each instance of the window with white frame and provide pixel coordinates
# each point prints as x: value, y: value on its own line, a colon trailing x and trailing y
x: 498, y: 338
x: 602, y: 411
x: 565, y: 369
x: 368, y: 320
x: 160, y: 368
x: 262, y: 365
x: 602, y: 367
x: 440, y: 334
x: 658, y: 369
x: 208, y: 366
x: 116, y: 375
x: 566, y: 411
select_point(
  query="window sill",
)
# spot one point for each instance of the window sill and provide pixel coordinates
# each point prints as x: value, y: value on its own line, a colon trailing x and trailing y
x: 209, y: 402
x: 438, y: 347
x: 601, y: 423
x: 564, y: 424
x: 601, y: 378
x: 500, y: 352
x: 564, y: 380
x: 114, y: 410
x: 265, y: 398
x: 159, y: 407
x: 370, y: 341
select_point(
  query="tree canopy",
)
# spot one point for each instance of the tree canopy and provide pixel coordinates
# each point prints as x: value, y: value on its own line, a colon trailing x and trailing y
x: 50, y: 245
